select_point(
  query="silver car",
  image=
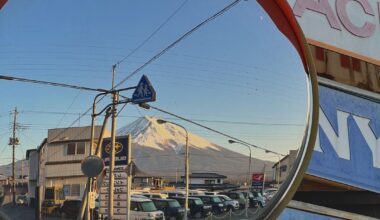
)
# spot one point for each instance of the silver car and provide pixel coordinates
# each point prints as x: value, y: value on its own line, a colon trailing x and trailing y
x: 230, y: 203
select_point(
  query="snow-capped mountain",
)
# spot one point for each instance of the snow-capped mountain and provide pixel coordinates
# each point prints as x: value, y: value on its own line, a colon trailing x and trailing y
x: 158, y: 149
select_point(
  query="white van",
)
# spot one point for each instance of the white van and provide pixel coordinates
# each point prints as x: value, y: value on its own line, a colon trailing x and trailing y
x: 142, y: 209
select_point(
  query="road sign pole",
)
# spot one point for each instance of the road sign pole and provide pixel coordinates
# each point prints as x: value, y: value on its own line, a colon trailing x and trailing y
x: 130, y: 176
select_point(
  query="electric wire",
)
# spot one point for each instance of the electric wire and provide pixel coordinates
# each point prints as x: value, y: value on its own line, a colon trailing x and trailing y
x: 188, y: 33
x: 152, y: 34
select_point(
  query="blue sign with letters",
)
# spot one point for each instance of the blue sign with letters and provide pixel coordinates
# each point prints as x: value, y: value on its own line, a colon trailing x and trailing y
x: 144, y: 92
x: 347, y: 149
x: 121, y: 150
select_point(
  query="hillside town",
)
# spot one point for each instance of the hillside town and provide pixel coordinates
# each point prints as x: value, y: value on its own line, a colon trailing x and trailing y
x: 51, y: 173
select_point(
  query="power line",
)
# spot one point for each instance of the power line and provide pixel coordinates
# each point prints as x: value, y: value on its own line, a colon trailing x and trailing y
x: 162, y: 52
x: 144, y: 105
x: 153, y: 33
x: 67, y: 110
x: 3, y: 77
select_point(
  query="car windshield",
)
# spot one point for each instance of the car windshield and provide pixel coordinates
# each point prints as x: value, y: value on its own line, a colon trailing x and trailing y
x: 250, y: 195
x: 226, y: 198
x: 174, y: 204
x: 240, y: 195
x: 148, y: 207
x: 216, y: 199
x: 198, y: 202
x: 257, y: 194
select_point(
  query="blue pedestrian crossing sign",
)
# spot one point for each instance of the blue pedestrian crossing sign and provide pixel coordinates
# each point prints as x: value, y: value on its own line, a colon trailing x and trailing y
x: 144, y: 92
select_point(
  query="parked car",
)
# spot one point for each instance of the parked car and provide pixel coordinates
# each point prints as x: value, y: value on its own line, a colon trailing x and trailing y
x: 70, y: 208
x: 174, y: 193
x: 171, y: 208
x: 238, y: 196
x: 144, y: 209
x: 216, y: 203
x: 229, y: 203
x: 259, y: 198
x: 255, y: 199
x: 197, y: 208
x: 269, y: 193
x: 50, y: 208
x: 155, y: 195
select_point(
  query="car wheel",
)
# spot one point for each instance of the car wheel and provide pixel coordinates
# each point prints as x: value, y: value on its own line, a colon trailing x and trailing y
x: 198, y: 215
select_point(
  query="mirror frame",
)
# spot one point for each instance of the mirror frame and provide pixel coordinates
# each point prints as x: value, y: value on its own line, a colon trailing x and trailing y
x: 283, y: 17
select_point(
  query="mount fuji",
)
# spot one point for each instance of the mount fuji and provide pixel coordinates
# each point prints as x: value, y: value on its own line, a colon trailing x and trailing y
x: 158, y: 149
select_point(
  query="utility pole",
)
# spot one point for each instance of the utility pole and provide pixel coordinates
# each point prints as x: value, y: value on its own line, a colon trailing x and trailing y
x: 13, y: 141
x: 113, y: 142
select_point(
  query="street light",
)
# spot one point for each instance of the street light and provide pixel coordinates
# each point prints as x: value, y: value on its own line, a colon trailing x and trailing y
x: 160, y: 121
x: 249, y: 171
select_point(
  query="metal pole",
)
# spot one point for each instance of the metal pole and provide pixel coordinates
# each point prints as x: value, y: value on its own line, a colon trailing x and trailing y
x: 13, y: 158
x: 113, y: 141
x: 279, y: 170
x: 250, y: 182
x: 186, y: 172
x: 249, y: 173
x: 160, y: 121
x: 130, y: 177
x: 92, y: 140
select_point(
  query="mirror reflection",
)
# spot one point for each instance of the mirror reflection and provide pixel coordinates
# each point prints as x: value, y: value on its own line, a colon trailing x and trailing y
x: 225, y: 114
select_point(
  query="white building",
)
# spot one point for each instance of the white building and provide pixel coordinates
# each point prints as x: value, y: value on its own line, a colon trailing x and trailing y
x: 282, y: 168
x: 32, y: 159
x: 61, y: 157
x: 205, y: 179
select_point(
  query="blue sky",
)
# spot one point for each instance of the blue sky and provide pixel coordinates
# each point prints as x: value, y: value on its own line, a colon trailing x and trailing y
x: 237, y: 68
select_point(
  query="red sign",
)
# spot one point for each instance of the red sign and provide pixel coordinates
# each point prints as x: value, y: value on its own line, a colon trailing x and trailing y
x: 258, y: 180
x: 258, y: 177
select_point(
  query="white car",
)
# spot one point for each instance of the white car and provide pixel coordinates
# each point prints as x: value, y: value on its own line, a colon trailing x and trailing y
x: 144, y: 209
x: 155, y: 195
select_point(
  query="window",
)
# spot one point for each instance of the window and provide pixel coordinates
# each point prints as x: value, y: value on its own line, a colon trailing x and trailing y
x: 75, y: 190
x: 283, y: 168
x: 80, y: 148
x: 356, y: 65
x: 345, y: 61
x: 209, y: 181
x: 76, y: 148
x: 71, y: 149
x: 320, y: 53
x: 71, y: 190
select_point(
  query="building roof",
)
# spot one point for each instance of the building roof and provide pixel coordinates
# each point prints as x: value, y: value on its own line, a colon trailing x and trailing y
x: 41, y: 145
x: 206, y: 175
x: 282, y: 159
x: 73, y: 134
x: 28, y: 152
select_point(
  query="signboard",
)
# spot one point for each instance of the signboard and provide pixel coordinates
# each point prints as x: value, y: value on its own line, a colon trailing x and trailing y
x: 144, y: 92
x: 348, y: 144
x: 122, y: 158
x: 121, y: 149
x: 258, y: 181
x: 351, y: 27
